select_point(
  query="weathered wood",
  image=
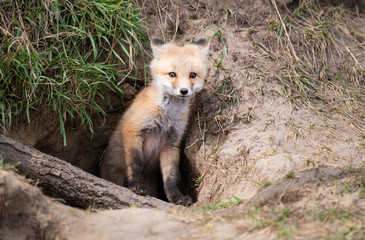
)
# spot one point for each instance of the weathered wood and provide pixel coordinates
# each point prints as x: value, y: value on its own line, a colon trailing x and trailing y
x: 25, y: 213
x: 70, y: 183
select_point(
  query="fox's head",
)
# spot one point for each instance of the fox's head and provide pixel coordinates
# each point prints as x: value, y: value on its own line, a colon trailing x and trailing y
x: 179, y: 71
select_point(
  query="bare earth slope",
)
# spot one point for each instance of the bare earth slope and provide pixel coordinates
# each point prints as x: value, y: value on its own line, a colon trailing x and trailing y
x: 276, y: 139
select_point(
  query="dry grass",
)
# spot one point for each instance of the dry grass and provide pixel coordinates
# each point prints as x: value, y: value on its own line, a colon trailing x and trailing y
x: 321, y: 56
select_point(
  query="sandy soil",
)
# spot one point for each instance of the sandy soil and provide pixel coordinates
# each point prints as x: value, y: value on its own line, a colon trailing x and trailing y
x: 297, y: 166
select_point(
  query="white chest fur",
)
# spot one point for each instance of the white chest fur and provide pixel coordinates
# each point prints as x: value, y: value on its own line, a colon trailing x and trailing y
x: 165, y: 129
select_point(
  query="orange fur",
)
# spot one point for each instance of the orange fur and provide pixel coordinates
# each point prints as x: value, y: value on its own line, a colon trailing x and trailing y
x: 149, y: 134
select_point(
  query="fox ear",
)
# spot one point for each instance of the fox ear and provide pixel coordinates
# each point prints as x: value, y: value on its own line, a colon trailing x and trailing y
x: 156, y: 44
x: 203, y: 45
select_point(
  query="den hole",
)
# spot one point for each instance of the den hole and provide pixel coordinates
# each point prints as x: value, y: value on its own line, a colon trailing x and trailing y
x: 84, y: 150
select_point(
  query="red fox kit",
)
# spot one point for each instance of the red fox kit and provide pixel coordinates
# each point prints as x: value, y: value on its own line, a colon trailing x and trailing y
x: 149, y: 134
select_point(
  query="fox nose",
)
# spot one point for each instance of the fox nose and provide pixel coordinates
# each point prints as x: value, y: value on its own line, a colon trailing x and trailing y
x: 184, y: 91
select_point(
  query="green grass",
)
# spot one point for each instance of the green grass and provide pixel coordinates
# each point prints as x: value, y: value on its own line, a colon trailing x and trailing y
x: 227, y: 93
x: 224, y: 53
x: 232, y: 201
x: 265, y: 183
x: 330, y: 214
x: 288, y: 221
x: 289, y: 175
x: 65, y: 57
x: 280, y: 219
x: 6, y: 166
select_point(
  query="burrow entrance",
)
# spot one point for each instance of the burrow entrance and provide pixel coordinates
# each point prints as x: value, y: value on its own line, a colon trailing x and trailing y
x: 85, y: 149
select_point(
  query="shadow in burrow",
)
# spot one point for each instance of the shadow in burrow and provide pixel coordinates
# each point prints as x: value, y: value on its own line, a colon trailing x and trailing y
x: 85, y: 150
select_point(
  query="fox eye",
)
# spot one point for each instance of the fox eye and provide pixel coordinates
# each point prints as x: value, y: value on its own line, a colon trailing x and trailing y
x: 192, y: 75
x: 172, y: 74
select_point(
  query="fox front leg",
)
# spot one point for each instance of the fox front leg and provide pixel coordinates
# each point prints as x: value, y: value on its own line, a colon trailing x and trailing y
x: 169, y: 161
x: 135, y: 166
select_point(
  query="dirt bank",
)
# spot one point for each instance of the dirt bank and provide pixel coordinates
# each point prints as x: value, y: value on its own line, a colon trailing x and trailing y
x: 276, y: 139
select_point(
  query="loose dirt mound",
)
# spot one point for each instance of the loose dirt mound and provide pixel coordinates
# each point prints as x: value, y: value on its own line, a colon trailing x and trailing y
x: 279, y: 126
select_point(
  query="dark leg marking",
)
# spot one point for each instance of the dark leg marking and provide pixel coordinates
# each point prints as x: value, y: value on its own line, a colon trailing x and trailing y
x: 136, y: 180
x: 172, y: 190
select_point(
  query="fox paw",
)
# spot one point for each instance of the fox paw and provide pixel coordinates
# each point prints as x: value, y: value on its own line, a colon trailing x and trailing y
x: 182, y: 200
x: 138, y: 188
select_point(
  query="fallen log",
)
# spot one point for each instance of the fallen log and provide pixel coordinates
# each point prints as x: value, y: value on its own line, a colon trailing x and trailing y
x: 72, y: 184
x: 25, y: 213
